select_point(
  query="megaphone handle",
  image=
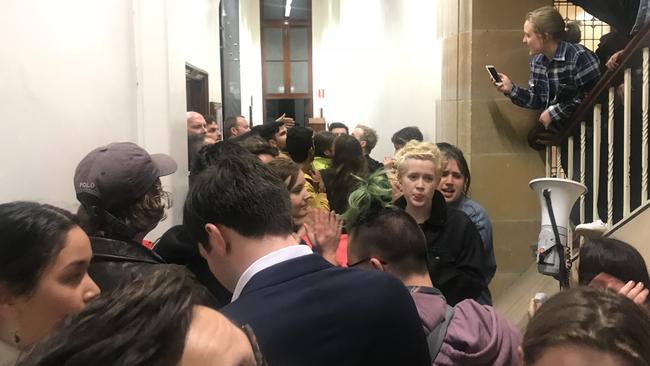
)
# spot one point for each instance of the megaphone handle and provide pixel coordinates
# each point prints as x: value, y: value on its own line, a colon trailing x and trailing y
x: 564, y: 279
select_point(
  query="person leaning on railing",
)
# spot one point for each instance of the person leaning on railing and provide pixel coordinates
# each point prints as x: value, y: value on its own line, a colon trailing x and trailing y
x: 562, y: 72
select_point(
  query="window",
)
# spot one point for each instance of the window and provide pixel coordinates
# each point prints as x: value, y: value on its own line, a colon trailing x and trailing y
x: 286, y: 59
x: 591, y: 28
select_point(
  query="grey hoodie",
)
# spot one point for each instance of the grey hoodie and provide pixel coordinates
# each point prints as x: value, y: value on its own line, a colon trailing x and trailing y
x: 477, y: 334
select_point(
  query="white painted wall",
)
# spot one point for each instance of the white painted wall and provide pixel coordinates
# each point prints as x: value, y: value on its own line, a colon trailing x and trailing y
x: 250, y: 53
x: 159, y: 33
x: 379, y: 64
x: 80, y: 74
x: 201, y: 40
x: 68, y: 85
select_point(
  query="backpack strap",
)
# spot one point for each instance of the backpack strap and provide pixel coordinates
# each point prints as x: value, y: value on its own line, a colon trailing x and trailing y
x: 438, y: 334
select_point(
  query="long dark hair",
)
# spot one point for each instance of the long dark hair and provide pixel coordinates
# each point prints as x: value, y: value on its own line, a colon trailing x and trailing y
x: 348, y: 161
x: 31, y: 236
x: 614, y: 257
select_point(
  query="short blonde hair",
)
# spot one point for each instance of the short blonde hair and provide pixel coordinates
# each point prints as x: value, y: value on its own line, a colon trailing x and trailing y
x: 420, y: 151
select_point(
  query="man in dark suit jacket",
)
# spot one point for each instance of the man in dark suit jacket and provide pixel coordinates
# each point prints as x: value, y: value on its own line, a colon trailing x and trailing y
x: 303, y: 310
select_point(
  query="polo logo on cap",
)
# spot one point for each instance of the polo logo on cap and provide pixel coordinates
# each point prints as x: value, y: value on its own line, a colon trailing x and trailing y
x: 87, y: 185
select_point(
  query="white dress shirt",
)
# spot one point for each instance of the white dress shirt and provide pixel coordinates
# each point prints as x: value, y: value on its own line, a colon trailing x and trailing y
x: 273, y: 258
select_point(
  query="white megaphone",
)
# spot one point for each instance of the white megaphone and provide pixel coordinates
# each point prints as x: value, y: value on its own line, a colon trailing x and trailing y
x: 557, y: 197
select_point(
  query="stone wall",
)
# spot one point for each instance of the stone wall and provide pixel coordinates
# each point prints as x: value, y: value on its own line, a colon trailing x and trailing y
x: 487, y: 126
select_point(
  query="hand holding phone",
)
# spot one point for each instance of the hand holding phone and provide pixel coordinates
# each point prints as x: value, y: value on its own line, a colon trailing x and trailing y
x: 494, y: 75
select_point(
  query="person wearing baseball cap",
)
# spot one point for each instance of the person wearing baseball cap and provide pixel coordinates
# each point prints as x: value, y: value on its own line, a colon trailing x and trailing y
x: 122, y: 200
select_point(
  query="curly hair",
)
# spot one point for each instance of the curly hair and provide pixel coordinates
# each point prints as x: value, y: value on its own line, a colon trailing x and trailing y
x: 420, y: 151
x: 592, y: 318
x: 149, y: 210
x: 142, y: 216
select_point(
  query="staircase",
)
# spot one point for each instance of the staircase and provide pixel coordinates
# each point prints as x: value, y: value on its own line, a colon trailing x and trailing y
x: 607, y: 136
x: 635, y: 230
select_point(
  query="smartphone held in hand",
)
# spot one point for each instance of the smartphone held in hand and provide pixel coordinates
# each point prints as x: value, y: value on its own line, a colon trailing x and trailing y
x: 494, y: 75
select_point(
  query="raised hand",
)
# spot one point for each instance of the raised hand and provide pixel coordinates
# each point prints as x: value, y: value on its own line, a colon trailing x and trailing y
x: 325, y: 232
x: 635, y: 292
x: 615, y: 60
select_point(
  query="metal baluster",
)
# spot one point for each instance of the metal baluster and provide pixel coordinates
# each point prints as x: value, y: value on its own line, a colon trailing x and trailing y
x: 644, y: 141
x: 548, y: 161
x: 558, y: 161
x: 596, y: 161
x: 627, y: 114
x: 583, y: 154
x: 610, y: 159
x: 569, y: 172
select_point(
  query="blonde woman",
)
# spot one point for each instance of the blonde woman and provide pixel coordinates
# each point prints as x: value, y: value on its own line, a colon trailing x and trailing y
x: 455, y: 253
x: 562, y: 72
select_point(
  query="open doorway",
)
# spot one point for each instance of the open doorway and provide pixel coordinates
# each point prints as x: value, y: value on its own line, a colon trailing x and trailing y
x: 196, y: 89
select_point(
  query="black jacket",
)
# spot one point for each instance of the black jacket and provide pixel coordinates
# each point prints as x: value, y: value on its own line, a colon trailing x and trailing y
x: 455, y: 253
x: 115, y: 262
x: 176, y: 246
x: 373, y: 164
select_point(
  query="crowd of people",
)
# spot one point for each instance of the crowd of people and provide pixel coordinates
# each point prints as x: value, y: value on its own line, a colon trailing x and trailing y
x: 298, y: 248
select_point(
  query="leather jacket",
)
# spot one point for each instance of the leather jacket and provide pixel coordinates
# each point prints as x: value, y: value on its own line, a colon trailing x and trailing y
x: 115, y: 261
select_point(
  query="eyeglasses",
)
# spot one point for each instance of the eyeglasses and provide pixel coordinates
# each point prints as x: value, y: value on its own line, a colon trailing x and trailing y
x: 350, y: 265
x: 259, y: 358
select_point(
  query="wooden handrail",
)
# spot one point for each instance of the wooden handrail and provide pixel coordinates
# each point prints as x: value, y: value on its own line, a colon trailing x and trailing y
x: 640, y: 40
